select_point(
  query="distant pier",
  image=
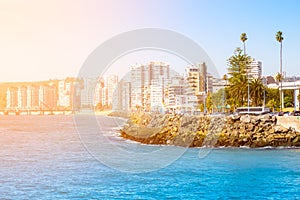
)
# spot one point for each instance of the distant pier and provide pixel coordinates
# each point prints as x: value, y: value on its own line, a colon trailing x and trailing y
x: 35, y: 112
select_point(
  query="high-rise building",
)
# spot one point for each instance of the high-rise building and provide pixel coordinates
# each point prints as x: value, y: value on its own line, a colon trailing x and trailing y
x: 87, y: 92
x: 33, y: 97
x: 255, y: 69
x: 156, y: 96
x: 209, y: 83
x: 176, y: 89
x: 197, y: 78
x: 47, y: 97
x: 142, y: 76
x: 66, y: 92
x: 100, y: 92
x: 121, y: 97
x: 203, y: 78
x: 22, y: 97
x: 199, y: 84
x: 12, y: 98
x: 111, y: 83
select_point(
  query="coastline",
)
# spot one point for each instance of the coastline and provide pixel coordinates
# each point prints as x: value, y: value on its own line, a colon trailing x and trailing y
x: 203, y: 131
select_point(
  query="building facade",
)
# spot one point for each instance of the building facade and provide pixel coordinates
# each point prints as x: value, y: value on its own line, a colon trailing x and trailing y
x: 255, y: 69
x: 142, y: 77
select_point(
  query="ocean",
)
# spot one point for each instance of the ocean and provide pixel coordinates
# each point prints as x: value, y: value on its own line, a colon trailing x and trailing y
x: 51, y: 157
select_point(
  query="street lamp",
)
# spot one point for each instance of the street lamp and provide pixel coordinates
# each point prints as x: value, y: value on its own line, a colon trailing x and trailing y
x: 295, y: 96
x: 264, y: 84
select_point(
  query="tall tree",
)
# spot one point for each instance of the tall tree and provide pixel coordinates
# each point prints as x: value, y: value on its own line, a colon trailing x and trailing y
x: 278, y: 77
x: 237, y: 76
x: 257, y: 90
x: 279, y: 38
x: 272, y: 96
x: 243, y: 38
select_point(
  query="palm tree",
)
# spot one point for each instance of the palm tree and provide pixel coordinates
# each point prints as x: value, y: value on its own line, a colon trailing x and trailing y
x: 278, y: 77
x: 257, y: 89
x: 279, y: 38
x: 243, y: 38
x: 237, y: 88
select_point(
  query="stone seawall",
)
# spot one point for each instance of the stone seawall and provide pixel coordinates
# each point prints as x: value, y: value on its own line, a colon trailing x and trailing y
x: 289, y: 121
x: 198, y: 131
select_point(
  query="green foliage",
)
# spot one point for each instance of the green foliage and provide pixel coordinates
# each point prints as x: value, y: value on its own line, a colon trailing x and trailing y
x: 243, y: 37
x: 238, y: 64
x: 209, y: 103
x: 238, y: 81
x: 272, y: 104
x: 278, y: 77
x: 218, y: 100
x: 272, y: 97
x: 256, y: 92
x: 288, y: 98
x: 288, y: 101
x: 279, y: 37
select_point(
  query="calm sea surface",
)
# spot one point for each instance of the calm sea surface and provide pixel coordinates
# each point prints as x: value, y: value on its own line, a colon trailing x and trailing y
x: 42, y: 157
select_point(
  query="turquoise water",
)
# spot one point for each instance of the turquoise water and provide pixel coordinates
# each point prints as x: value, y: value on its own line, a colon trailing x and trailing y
x: 42, y: 157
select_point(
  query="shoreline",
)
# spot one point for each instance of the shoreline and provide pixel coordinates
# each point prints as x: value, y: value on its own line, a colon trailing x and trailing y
x: 203, y: 131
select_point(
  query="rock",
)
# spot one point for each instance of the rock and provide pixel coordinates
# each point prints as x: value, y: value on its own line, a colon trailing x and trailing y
x: 235, y: 117
x: 245, y: 119
x: 250, y: 127
x: 280, y: 129
x: 253, y: 131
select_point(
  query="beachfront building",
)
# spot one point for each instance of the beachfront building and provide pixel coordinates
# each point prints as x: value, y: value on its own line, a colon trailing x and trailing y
x: 87, y: 86
x: 199, y: 82
x: 255, y: 69
x: 32, y: 97
x: 100, y: 96
x: 196, y: 76
x: 12, y: 98
x: 111, y: 84
x: 175, y: 93
x: 121, y: 100
x: 142, y: 77
x: 22, y: 97
x: 156, y: 96
x: 47, y: 97
x: 66, y: 93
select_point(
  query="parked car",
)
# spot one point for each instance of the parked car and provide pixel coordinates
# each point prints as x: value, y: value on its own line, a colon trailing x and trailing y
x: 280, y: 113
x: 296, y: 113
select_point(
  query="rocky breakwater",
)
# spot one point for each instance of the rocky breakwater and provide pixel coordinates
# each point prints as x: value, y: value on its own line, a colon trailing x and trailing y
x: 198, y: 131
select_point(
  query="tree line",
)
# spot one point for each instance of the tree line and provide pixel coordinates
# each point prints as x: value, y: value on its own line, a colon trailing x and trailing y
x: 243, y: 90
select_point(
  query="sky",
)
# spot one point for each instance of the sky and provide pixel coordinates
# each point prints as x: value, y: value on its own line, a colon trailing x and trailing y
x: 41, y: 40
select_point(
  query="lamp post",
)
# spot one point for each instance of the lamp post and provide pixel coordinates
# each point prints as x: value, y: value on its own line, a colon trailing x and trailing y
x: 248, y: 91
x: 295, y: 96
x: 264, y: 84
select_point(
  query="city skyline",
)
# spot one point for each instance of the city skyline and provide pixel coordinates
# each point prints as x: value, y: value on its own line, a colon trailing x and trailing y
x: 38, y: 45
x: 152, y: 85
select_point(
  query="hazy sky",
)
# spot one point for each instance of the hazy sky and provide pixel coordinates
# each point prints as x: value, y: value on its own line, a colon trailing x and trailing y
x: 40, y: 39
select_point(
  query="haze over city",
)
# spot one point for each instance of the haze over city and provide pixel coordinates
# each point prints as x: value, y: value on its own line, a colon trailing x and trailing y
x: 43, y: 40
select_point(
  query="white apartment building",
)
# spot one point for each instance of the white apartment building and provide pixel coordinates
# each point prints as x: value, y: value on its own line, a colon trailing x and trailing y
x: 142, y: 77
x: 255, y: 69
